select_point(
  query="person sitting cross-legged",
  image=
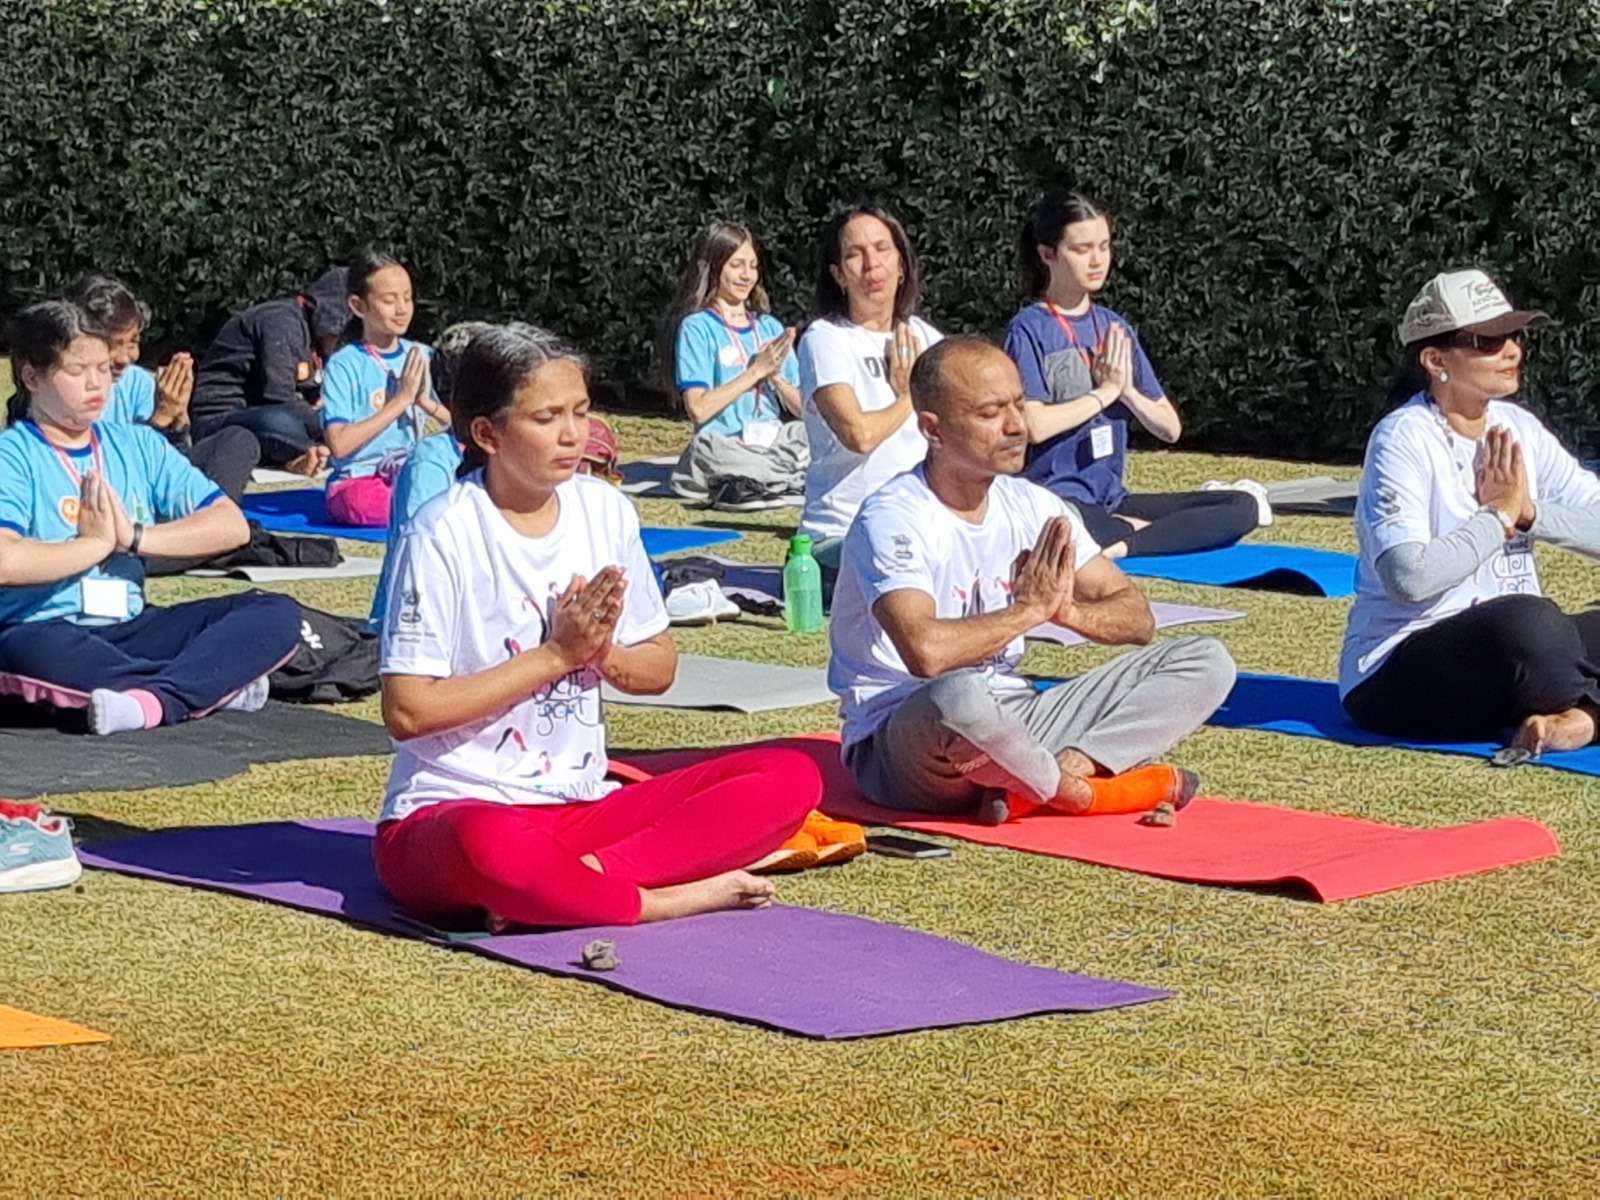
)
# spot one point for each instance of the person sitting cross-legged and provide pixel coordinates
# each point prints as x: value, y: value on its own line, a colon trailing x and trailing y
x: 945, y: 569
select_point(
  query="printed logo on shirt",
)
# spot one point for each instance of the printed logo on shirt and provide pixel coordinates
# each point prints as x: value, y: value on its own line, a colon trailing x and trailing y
x: 877, y: 367
x: 410, y: 607
x: 902, y: 548
x: 1387, y: 503
x: 377, y: 397
x: 730, y: 357
x: 68, y: 508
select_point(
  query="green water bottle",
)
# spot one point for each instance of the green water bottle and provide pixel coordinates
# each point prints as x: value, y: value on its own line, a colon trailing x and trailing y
x: 802, y: 587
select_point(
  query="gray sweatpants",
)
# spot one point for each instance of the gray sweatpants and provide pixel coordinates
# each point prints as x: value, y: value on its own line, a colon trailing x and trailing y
x: 955, y: 739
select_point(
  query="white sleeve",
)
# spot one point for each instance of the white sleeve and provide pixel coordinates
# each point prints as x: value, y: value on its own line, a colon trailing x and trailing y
x: 1562, y: 478
x: 644, y: 613
x: 1392, y: 504
x: 423, y: 611
x: 826, y: 358
x: 888, y: 554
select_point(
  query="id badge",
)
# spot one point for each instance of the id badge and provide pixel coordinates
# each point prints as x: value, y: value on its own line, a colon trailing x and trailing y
x: 1102, y: 441
x: 104, y: 598
x: 758, y: 435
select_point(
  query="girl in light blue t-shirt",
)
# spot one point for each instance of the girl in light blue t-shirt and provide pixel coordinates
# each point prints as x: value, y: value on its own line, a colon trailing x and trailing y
x: 376, y: 394
x: 82, y: 501
x: 735, y: 369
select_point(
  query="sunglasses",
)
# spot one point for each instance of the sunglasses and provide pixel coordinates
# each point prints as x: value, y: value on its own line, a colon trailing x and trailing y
x: 1484, y: 343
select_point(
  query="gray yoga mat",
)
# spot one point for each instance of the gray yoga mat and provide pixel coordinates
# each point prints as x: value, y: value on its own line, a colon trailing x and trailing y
x: 40, y: 758
x: 750, y: 687
x: 650, y: 477
x: 353, y: 567
x: 1317, y: 496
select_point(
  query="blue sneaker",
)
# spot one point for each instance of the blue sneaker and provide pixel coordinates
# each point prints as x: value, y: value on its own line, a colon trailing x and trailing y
x: 36, y: 853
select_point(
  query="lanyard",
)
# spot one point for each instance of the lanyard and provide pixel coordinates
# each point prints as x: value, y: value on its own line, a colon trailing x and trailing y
x: 738, y: 344
x: 414, y: 418
x: 67, y: 464
x: 1072, y: 336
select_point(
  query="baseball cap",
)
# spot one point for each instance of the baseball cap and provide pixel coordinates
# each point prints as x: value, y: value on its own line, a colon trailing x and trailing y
x: 1463, y: 300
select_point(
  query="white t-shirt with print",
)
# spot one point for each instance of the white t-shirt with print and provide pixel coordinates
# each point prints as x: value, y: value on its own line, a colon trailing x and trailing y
x: 1419, y: 482
x: 469, y: 593
x: 839, y: 479
x: 906, y: 537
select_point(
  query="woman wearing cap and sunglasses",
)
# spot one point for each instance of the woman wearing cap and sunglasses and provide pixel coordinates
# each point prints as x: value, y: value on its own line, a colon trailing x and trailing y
x: 1450, y: 637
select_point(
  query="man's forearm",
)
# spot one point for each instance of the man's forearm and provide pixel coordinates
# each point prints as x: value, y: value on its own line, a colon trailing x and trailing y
x: 1120, y: 619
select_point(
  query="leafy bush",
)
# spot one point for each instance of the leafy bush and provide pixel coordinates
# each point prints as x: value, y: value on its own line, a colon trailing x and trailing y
x: 1285, y: 173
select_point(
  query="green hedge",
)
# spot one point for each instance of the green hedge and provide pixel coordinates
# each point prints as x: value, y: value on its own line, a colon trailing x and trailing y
x: 1286, y: 171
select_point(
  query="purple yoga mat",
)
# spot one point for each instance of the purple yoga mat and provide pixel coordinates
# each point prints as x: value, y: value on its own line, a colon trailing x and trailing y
x: 821, y: 974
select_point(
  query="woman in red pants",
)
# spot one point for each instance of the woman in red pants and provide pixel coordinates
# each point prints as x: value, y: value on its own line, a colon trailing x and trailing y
x: 517, y: 592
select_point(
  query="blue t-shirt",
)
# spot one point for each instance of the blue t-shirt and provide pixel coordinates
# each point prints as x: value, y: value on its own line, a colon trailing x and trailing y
x: 39, y: 499
x: 429, y: 472
x: 133, y: 397
x: 355, y: 384
x: 710, y: 354
x: 1053, y: 365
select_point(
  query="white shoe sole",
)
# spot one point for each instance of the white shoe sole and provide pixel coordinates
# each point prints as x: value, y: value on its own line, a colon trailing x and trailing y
x: 38, y: 877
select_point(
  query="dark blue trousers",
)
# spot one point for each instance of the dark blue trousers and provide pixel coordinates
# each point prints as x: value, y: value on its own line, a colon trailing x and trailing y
x: 191, y: 656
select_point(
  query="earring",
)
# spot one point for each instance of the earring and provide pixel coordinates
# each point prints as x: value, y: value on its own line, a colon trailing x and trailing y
x: 1444, y: 376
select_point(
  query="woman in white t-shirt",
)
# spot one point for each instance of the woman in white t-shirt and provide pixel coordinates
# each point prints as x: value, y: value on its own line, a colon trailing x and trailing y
x: 855, y: 370
x: 1450, y: 637
x: 517, y: 592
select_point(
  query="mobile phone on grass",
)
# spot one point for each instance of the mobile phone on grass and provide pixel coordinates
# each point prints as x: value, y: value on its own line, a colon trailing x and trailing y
x: 896, y: 846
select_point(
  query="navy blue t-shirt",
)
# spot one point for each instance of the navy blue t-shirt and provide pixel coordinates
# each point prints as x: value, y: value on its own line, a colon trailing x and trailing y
x: 1055, y: 369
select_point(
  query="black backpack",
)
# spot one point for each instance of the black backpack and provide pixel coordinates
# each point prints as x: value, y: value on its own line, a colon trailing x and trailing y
x: 337, y: 659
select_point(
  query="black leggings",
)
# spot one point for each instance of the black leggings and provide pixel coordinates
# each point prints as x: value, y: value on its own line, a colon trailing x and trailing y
x: 1180, y: 522
x: 1483, y: 671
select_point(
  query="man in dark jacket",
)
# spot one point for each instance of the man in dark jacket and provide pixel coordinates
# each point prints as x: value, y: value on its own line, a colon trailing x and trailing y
x: 264, y: 373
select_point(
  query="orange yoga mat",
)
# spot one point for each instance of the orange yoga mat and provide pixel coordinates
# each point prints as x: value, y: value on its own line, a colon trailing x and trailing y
x: 24, y: 1030
x: 1231, y: 843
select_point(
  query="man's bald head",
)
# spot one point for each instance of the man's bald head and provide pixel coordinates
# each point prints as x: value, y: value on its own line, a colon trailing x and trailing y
x: 942, y: 369
x: 969, y: 403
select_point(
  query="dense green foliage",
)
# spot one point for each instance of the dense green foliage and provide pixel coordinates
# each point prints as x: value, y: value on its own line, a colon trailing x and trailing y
x: 1286, y: 174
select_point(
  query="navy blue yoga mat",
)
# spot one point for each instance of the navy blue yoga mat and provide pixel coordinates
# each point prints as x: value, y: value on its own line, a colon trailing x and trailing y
x: 821, y: 974
x: 302, y: 510
x: 1311, y: 708
x: 1264, y: 566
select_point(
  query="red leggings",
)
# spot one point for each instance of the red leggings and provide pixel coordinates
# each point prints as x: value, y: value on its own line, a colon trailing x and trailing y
x: 523, y: 862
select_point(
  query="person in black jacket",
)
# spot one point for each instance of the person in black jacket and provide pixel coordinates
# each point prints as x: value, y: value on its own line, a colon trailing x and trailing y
x: 264, y: 373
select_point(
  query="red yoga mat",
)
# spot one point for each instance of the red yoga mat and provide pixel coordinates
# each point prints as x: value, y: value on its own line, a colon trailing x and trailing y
x: 1228, y: 842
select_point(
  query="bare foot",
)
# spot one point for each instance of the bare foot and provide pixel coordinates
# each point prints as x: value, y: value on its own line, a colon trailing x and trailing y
x: 736, y: 889
x: 1565, y: 730
x: 310, y: 463
x: 1072, y: 793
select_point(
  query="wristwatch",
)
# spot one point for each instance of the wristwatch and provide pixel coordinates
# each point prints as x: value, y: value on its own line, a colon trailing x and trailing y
x: 138, y: 536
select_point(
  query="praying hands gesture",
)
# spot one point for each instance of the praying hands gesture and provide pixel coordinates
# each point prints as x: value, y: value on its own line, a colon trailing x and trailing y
x: 902, y: 351
x: 174, y: 387
x: 586, y: 615
x: 1113, y: 367
x: 769, y: 360
x: 1044, y: 579
x: 1503, y: 477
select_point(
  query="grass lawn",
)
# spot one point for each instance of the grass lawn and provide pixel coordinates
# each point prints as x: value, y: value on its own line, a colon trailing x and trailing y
x: 1441, y: 1040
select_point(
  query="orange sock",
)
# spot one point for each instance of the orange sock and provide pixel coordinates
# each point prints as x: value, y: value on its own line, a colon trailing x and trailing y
x: 1142, y: 788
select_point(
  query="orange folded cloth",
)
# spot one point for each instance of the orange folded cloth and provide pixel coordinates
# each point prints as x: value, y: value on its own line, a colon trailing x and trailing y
x: 819, y: 840
x: 24, y: 1030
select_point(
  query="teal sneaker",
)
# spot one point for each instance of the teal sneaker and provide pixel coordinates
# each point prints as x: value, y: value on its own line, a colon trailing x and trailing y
x: 36, y: 853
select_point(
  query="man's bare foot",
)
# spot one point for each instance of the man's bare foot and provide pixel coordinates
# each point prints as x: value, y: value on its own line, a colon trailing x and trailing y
x: 1073, y: 794
x: 1565, y: 730
x: 736, y: 889
x: 311, y: 462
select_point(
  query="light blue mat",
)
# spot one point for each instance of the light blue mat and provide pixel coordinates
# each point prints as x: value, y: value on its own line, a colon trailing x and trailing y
x: 1264, y: 566
x: 1311, y: 708
x: 302, y: 511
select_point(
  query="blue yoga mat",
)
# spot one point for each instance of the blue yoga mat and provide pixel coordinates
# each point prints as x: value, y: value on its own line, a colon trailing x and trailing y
x: 1264, y: 566
x: 1311, y: 708
x: 301, y: 510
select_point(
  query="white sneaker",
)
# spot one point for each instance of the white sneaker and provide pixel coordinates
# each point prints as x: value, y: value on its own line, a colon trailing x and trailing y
x: 699, y: 603
x: 1257, y: 491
